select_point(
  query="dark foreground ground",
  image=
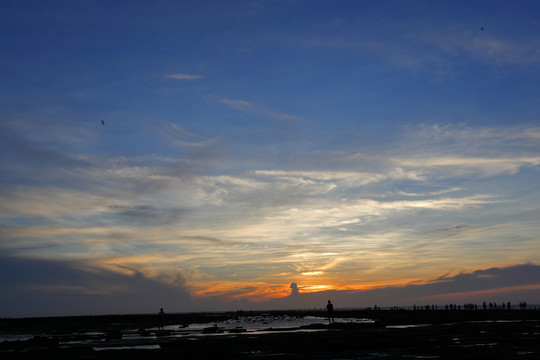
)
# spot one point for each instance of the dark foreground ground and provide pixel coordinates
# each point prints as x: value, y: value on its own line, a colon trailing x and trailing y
x: 394, y: 334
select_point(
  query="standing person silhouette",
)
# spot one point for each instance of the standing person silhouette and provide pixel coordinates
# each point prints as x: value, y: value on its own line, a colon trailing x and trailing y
x: 161, y: 319
x: 330, y: 309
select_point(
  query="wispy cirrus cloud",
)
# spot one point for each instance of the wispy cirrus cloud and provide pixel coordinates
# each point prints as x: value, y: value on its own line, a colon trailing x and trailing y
x: 432, y: 193
x: 438, y: 47
x: 180, y: 136
x: 347, y: 178
x: 257, y: 110
x: 480, y: 138
x: 486, y: 46
x: 467, y: 165
x: 458, y: 230
x: 238, y: 104
x: 455, y: 150
x: 184, y: 76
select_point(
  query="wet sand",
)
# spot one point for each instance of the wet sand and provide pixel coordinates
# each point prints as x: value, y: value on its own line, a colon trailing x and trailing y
x: 393, y: 334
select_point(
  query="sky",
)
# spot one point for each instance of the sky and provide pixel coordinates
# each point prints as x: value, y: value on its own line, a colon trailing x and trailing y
x: 236, y: 155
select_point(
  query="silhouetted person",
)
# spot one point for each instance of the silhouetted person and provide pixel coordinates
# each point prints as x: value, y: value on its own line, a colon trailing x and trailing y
x: 161, y: 319
x: 330, y: 309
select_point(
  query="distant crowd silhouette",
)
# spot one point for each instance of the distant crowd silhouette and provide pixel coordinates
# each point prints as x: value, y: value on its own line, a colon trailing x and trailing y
x: 469, y: 306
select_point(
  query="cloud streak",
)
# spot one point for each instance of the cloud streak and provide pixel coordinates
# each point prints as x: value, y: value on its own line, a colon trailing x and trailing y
x: 437, y: 46
x: 184, y: 76
x: 258, y: 111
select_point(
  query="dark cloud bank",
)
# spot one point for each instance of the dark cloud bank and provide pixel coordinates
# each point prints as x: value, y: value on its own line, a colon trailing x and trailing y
x: 34, y: 287
x: 49, y: 288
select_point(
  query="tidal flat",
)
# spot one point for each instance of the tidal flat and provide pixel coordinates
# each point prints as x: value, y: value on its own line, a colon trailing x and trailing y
x: 355, y: 334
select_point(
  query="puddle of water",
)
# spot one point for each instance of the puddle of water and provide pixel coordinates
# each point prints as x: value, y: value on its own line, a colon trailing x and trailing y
x: 136, y: 347
x: 407, y: 326
x: 260, y: 323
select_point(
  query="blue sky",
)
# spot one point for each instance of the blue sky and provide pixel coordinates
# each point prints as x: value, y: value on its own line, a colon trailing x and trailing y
x: 355, y: 148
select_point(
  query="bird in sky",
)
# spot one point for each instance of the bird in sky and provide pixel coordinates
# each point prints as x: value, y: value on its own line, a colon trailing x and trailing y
x: 102, y: 122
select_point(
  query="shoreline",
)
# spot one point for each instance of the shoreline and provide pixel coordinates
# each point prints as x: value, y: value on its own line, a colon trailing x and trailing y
x: 385, y: 315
